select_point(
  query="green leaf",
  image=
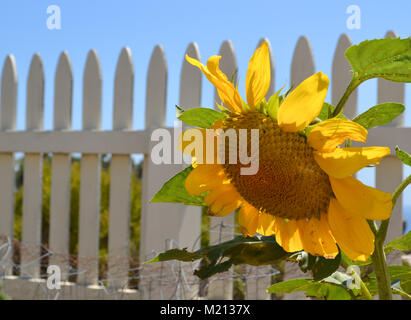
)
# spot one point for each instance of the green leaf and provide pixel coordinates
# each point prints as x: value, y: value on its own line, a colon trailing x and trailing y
x: 323, y: 267
x: 326, y: 111
x: 273, y: 105
x: 328, y: 290
x: 198, y: 117
x: 176, y: 254
x: 383, y: 58
x: 397, y: 289
x: 397, y: 273
x: 379, y: 115
x: 174, y: 191
x: 319, y: 266
x: 403, y: 156
x: 219, y: 258
x: 402, y: 243
x: 254, y: 251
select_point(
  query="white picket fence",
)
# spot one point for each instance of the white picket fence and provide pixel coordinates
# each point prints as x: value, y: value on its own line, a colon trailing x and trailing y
x: 160, y: 222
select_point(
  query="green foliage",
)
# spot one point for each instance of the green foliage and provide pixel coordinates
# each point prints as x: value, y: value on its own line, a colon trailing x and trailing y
x: 403, y: 156
x: 379, y: 115
x: 219, y: 258
x: 383, y: 58
x: 400, y: 280
x: 332, y: 288
x: 402, y: 243
x: 198, y: 117
x: 174, y: 190
x: 319, y: 266
x: 135, y: 197
x: 176, y: 254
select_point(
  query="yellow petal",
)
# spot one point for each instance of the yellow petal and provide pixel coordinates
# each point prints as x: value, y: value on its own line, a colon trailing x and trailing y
x: 303, y: 104
x: 360, y: 200
x: 248, y: 219
x: 204, y: 177
x: 317, y: 238
x: 258, y: 76
x: 288, y: 235
x: 344, y: 162
x: 329, y: 134
x: 266, y: 224
x: 352, y: 234
x: 227, y: 92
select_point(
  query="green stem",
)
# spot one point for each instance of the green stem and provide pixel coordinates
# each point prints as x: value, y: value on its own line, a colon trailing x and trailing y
x: 378, y: 257
x: 381, y: 270
x: 354, y: 83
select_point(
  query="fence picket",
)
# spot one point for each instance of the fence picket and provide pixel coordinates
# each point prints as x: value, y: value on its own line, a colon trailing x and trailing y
x: 341, y: 76
x: 32, y: 175
x: 389, y: 173
x: 61, y: 169
x: 302, y: 65
x: 120, y: 175
x: 89, y: 220
x: 190, y: 96
x: 8, y: 106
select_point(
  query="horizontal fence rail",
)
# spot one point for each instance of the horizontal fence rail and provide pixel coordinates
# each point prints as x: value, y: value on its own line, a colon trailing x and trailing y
x: 162, y: 226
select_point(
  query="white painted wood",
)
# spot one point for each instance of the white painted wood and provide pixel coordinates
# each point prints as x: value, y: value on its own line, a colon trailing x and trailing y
x: 59, y: 237
x: 389, y: 173
x: 190, y: 97
x: 160, y: 222
x: 32, y: 176
x: 302, y: 65
x: 222, y: 227
x: 271, y: 89
x: 341, y: 76
x: 120, y: 175
x: 89, y: 222
x: 8, y: 105
x: 119, y: 142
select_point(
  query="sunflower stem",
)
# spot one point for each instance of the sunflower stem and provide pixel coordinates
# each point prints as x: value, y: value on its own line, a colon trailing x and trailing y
x: 354, y: 83
x: 381, y: 271
x: 378, y: 257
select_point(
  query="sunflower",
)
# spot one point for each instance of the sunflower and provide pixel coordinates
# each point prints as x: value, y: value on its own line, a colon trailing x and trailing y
x: 303, y: 192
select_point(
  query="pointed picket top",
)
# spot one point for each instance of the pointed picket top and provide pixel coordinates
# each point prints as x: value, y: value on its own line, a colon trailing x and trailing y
x: 190, y: 79
x: 156, y: 89
x: 123, y: 91
x: 391, y: 34
x: 341, y: 76
x: 63, y: 93
x: 389, y: 91
x: 92, y: 92
x: 35, y: 95
x: 228, y: 65
x: 302, y: 65
x: 270, y: 91
x: 8, y: 103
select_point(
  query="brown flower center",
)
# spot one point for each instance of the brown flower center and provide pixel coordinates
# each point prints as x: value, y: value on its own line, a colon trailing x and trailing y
x: 289, y: 183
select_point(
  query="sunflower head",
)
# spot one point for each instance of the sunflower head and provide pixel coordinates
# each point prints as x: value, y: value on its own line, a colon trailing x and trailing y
x: 304, y: 191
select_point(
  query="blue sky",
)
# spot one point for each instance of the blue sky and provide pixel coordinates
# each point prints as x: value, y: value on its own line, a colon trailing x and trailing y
x: 107, y: 26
